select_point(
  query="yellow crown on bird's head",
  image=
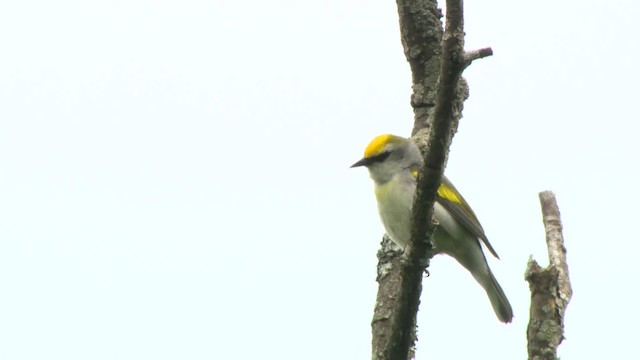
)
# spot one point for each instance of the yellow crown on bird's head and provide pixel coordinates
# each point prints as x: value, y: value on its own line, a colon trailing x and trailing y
x: 380, y: 143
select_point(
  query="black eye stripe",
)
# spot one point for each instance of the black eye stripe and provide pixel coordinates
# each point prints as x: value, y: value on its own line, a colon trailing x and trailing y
x: 380, y: 157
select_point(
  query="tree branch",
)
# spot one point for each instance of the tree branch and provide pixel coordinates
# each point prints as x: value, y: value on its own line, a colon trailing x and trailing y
x: 389, y: 257
x: 420, y: 249
x: 421, y: 34
x: 470, y: 56
x: 550, y: 287
x: 437, y: 62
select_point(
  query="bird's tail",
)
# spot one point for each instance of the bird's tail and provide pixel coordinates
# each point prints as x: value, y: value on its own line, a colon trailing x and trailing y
x: 477, y: 265
x: 498, y: 299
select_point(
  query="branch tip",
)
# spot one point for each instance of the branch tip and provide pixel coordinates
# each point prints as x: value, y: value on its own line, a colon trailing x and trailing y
x: 472, y: 55
x: 550, y: 287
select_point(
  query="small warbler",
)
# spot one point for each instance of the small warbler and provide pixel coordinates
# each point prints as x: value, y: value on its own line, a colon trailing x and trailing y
x: 393, y: 164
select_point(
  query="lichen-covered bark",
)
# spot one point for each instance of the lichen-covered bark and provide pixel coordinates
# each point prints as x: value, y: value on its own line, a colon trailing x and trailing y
x: 437, y: 61
x: 389, y: 257
x: 421, y: 34
x: 550, y: 288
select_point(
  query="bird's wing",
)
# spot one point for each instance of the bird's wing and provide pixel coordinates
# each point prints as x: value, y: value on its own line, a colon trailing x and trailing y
x: 449, y: 197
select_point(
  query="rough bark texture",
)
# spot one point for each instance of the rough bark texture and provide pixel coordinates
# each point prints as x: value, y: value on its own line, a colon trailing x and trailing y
x: 550, y: 288
x: 421, y: 34
x: 437, y: 62
x: 389, y: 257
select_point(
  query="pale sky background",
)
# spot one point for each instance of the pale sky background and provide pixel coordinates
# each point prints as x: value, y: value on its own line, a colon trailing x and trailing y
x: 175, y: 182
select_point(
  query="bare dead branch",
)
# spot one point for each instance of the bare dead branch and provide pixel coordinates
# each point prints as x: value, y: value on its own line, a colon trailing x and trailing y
x: 400, y: 336
x: 472, y: 55
x: 550, y: 287
x: 389, y: 257
x: 421, y: 34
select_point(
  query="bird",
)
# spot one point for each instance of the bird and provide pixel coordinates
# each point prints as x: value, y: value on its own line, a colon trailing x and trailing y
x: 393, y: 163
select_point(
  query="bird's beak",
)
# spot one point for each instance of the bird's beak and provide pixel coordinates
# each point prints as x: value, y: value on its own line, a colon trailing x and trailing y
x: 362, y: 162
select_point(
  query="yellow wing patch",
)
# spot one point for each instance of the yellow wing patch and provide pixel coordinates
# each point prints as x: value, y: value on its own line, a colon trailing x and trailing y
x: 450, y: 194
x: 377, y: 145
x: 444, y: 191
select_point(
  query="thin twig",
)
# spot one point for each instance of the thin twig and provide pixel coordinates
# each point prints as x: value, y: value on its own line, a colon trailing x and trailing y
x: 472, y: 55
